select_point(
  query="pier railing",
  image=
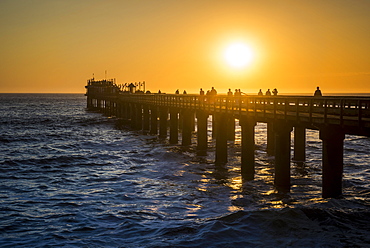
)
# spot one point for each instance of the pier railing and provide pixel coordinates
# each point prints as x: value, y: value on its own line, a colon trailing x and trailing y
x: 343, y: 111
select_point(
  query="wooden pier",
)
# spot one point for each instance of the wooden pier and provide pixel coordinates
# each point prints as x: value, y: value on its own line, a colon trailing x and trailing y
x: 156, y: 113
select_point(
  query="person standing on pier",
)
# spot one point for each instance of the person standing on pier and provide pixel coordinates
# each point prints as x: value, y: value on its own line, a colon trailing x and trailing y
x: 201, y: 95
x: 237, y: 92
x: 275, y: 92
x: 213, y: 91
x: 212, y: 95
x: 177, y: 92
x: 260, y: 92
x: 317, y: 91
x: 230, y: 93
x: 268, y: 92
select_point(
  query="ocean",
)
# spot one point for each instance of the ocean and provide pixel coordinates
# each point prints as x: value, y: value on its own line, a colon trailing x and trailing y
x: 74, y: 178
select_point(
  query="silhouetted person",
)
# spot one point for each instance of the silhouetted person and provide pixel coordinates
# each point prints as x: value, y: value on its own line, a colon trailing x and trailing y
x: 159, y: 92
x: 184, y: 92
x: 275, y: 92
x: 260, y: 92
x: 177, y: 92
x: 213, y: 91
x: 201, y: 95
x: 317, y: 92
x: 230, y: 93
x: 268, y: 92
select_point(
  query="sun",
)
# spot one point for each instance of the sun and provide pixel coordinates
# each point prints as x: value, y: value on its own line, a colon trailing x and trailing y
x: 238, y: 55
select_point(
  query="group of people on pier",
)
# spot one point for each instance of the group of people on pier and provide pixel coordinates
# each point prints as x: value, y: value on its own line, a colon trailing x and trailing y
x: 213, y: 92
x: 268, y: 92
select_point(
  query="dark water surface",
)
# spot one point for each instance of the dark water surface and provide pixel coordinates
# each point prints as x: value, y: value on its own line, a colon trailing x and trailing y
x: 72, y: 178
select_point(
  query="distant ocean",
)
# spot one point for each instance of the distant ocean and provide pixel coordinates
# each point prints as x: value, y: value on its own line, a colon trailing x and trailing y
x: 73, y: 178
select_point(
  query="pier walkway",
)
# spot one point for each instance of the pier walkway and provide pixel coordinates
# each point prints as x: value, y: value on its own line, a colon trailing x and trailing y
x: 164, y: 114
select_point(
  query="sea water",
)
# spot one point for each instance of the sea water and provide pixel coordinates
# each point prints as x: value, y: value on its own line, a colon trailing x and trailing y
x: 74, y: 178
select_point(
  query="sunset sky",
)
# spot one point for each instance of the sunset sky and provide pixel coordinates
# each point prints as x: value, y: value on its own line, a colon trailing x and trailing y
x: 54, y: 46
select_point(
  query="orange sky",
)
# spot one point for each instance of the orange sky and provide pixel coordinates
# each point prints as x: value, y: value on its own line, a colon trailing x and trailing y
x: 56, y: 45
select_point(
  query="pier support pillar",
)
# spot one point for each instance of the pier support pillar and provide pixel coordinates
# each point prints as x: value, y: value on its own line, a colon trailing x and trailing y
x: 187, y: 126
x: 332, y: 161
x: 174, y: 126
x: 146, y: 118
x: 133, y: 116
x: 127, y: 111
x: 113, y: 111
x: 202, y: 127
x: 247, y: 149
x: 163, y: 116
x: 110, y: 109
x: 299, y: 144
x: 104, y: 107
x: 193, y: 122
x: 282, y: 155
x: 119, y: 109
x: 153, y: 120
x: 213, y: 126
x: 231, y: 128
x: 221, y: 138
x: 270, y: 139
x: 89, y: 102
x: 138, y: 117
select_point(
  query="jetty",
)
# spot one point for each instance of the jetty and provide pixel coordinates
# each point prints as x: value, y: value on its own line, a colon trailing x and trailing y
x: 163, y: 114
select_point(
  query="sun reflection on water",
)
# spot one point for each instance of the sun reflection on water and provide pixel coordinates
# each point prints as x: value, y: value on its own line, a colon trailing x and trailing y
x: 236, y: 183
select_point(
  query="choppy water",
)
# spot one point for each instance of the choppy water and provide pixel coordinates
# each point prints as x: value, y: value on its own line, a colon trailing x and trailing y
x: 72, y: 178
